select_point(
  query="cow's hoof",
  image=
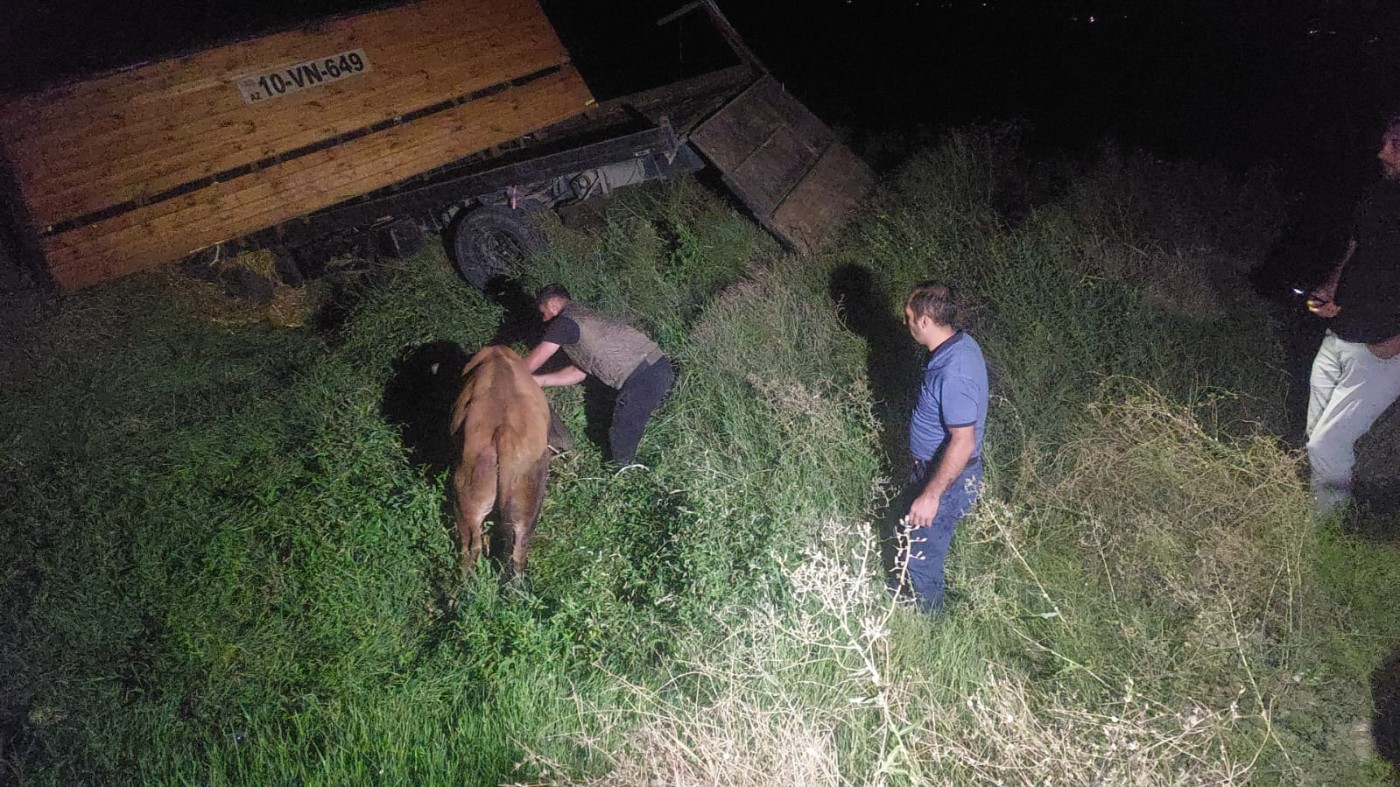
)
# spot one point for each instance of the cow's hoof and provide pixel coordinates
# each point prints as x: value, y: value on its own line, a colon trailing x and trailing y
x: 516, y: 584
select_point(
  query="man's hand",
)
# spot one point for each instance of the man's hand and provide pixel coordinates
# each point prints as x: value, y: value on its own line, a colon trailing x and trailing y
x: 961, y: 442
x: 922, y: 511
x: 1320, y: 300
x: 569, y: 375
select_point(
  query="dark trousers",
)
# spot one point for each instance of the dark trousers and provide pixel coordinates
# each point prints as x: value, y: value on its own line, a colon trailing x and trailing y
x: 920, y: 563
x: 639, y: 396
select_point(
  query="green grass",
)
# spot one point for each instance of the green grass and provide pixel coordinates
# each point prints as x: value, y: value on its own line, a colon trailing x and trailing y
x: 223, y: 565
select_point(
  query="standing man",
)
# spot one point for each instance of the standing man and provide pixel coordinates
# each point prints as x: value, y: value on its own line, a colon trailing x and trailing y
x: 614, y: 352
x: 1356, y: 375
x: 945, y: 439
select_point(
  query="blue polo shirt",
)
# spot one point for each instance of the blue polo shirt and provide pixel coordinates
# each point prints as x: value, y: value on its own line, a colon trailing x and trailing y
x: 953, y: 393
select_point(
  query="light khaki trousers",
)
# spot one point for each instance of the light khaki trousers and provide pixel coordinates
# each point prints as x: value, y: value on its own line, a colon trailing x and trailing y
x: 1350, y: 389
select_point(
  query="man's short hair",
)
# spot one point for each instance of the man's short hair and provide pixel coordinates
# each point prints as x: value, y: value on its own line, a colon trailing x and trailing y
x: 551, y: 291
x: 934, y: 301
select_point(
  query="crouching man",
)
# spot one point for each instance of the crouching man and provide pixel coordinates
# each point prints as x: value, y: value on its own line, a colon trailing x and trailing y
x: 613, y: 352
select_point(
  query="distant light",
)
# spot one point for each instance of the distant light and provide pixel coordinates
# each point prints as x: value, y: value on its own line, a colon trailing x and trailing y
x: 1092, y: 20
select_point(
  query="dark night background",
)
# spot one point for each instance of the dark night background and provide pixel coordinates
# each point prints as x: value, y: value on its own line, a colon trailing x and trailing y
x: 1303, y: 85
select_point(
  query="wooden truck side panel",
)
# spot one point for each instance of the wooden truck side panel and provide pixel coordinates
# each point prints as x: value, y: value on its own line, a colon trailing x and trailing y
x: 128, y: 171
x: 148, y: 236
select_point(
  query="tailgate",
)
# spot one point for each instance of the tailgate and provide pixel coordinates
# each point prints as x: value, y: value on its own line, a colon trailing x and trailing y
x: 785, y: 164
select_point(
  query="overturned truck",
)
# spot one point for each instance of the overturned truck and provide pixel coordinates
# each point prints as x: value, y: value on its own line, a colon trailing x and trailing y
x: 459, y: 116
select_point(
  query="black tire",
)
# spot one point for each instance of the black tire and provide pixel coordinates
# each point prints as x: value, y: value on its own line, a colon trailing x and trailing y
x: 493, y: 241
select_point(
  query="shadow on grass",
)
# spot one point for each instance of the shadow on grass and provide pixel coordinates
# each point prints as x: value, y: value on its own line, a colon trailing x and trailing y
x: 1385, y: 694
x: 865, y: 309
x: 1377, y: 481
x: 1376, y: 513
x: 418, y: 398
x: 893, y: 371
x: 520, y: 320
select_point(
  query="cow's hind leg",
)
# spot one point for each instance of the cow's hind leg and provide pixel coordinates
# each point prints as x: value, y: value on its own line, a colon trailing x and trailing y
x: 521, y: 498
x: 476, y: 496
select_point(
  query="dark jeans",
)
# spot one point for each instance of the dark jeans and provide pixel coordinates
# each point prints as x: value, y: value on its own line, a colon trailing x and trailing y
x: 928, y: 546
x: 638, y: 397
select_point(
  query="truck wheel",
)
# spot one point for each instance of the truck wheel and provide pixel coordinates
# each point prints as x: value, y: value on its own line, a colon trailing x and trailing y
x: 493, y: 241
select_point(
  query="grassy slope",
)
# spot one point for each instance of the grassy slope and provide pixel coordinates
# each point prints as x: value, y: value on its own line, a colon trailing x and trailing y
x: 224, y: 567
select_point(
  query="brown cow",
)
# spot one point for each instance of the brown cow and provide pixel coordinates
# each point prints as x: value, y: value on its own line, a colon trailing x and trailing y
x: 504, y: 420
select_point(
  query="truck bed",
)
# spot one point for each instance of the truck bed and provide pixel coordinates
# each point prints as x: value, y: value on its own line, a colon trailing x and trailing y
x: 125, y: 172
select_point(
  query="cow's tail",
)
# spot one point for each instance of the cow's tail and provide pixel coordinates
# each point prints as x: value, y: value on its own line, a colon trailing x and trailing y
x: 496, y: 437
x: 459, y: 409
x: 486, y: 468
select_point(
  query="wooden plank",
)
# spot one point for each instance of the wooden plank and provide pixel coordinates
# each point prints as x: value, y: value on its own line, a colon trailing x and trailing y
x: 686, y: 103
x: 160, y: 233
x: 823, y: 200
x: 122, y: 107
x: 729, y: 137
x: 149, y: 151
x: 764, y: 142
x: 396, y: 27
x: 733, y: 134
x: 390, y: 88
x: 771, y: 169
x: 148, y: 183
x: 136, y: 177
x: 431, y: 66
x: 309, y: 185
x: 795, y: 114
x: 784, y: 164
x: 427, y: 143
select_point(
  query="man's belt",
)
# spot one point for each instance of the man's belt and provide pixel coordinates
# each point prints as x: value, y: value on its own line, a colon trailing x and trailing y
x: 920, y: 465
x: 652, y: 358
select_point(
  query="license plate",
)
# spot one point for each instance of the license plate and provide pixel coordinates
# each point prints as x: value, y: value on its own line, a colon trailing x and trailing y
x: 301, y: 76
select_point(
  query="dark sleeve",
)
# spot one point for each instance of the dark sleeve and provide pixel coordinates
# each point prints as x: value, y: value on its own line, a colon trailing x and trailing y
x: 1374, y: 219
x: 561, y: 331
